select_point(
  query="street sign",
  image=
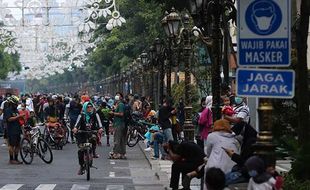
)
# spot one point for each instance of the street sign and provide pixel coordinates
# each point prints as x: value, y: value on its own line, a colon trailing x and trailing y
x: 264, y: 33
x: 265, y: 83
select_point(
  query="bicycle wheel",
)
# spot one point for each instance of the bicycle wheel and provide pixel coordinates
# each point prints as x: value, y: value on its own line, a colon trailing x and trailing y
x: 26, y: 151
x: 132, y: 137
x: 45, y: 151
x: 87, y: 164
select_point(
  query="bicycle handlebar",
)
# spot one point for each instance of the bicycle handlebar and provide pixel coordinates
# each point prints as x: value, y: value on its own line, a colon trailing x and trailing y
x: 87, y: 131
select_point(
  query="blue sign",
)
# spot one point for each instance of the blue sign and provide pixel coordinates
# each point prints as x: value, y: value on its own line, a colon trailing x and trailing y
x: 264, y: 33
x: 267, y: 83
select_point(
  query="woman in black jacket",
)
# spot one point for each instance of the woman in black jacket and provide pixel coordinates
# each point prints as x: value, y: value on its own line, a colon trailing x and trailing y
x: 87, y: 120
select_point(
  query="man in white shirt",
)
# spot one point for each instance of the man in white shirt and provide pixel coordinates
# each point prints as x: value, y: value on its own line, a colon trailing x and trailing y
x: 242, y: 112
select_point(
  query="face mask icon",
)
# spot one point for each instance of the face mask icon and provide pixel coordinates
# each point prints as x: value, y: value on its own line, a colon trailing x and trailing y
x: 263, y: 17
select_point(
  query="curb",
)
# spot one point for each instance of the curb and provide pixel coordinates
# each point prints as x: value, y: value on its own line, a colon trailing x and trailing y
x: 160, y: 175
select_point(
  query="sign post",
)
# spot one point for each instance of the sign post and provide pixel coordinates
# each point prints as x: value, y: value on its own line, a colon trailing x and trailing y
x: 264, y: 37
x: 264, y: 40
x: 266, y: 83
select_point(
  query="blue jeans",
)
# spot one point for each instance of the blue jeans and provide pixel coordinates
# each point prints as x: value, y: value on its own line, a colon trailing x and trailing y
x: 1, y: 126
x: 159, y: 139
x: 235, y: 177
x: 168, y: 134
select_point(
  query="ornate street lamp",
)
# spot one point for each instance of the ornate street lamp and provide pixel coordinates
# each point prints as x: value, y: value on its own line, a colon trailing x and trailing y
x: 164, y: 23
x: 171, y: 23
x: 174, y: 21
x: 152, y: 54
x: 145, y: 67
x: 143, y: 57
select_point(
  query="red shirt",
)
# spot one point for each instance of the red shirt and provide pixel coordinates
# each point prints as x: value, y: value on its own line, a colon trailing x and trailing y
x: 23, y: 120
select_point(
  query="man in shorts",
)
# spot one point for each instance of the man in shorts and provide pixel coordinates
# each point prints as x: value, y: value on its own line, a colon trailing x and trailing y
x: 14, y: 130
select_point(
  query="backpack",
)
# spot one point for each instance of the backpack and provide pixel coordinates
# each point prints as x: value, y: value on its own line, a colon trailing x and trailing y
x: 127, y: 114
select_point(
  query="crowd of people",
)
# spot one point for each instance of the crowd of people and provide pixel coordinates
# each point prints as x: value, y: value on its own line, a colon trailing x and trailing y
x: 222, y: 153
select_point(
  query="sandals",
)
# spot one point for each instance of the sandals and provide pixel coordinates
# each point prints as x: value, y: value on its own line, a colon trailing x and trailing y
x: 117, y: 156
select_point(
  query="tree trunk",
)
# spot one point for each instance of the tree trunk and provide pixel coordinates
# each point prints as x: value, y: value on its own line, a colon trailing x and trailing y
x: 301, y: 167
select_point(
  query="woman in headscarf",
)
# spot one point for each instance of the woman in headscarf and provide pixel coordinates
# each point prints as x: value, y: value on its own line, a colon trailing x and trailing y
x: 87, y: 120
x: 218, y: 141
x: 205, y: 120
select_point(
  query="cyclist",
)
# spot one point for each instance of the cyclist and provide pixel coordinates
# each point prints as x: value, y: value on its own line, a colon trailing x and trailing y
x: 87, y: 120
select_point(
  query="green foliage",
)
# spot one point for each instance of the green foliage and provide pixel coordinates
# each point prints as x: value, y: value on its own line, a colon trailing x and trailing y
x: 290, y: 183
x: 123, y: 44
x: 8, y: 63
x: 178, y: 92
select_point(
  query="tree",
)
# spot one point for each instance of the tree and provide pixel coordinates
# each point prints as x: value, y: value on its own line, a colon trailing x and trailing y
x: 8, y: 63
x: 301, y: 167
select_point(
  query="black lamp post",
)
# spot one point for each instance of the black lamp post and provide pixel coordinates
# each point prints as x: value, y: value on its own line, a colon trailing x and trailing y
x: 161, y: 65
x: 171, y: 23
x: 144, y: 62
x: 209, y: 15
x: 128, y: 73
x: 153, y: 89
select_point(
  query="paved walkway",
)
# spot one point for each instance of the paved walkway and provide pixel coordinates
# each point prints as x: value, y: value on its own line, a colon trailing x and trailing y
x: 162, y: 170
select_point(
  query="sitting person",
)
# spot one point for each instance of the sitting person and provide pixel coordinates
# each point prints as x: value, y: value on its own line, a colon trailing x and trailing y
x: 186, y: 157
x: 218, y: 141
x: 149, y: 136
x: 260, y: 178
x: 52, y: 118
x: 239, y: 173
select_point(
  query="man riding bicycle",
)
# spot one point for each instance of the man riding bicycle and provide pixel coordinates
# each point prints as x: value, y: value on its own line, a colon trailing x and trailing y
x: 87, y: 120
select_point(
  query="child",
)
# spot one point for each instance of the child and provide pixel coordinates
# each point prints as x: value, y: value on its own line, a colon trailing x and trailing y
x: 23, y: 111
x: 32, y: 121
x: 149, y: 135
x: 227, y: 109
x: 260, y: 178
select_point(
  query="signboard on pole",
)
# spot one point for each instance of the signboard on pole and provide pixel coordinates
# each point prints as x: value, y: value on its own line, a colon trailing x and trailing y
x: 265, y: 83
x: 264, y: 33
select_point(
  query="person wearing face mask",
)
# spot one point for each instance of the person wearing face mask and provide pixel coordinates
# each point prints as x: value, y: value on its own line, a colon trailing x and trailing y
x: 87, y: 120
x: 120, y: 129
x: 23, y: 111
x: 260, y: 178
x: 241, y: 110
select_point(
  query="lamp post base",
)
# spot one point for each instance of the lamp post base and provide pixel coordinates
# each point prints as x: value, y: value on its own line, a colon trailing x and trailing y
x: 264, y: 146
x: 188, y: 127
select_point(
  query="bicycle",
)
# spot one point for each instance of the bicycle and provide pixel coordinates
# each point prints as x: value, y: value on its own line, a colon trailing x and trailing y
x: 67, y: 130
x: 88, y: 153
x: 136, y: 131
x: 55, y: 136
x: 35, y: 144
